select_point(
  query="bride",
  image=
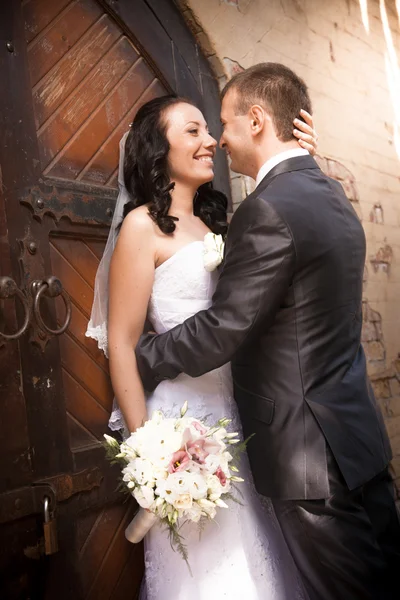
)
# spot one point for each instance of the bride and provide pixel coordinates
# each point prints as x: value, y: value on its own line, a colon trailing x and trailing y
x: 153, y: 268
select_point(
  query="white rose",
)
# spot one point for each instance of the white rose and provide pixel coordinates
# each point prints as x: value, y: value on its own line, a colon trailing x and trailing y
x: 208, y: 508
x: 179, y: 482
x: 197, y: 486
x: 211, y: 260
x: 153, y: 433
x: 128, y: 474
x: 159, y: 473
x: 144, y: 496
x: 194, y: 513
x: 172, y: 487
x: 213, y: 251
x: 213, y: 241
x: 164, y: 490
x: 160, y: 442
x: 225, y: 458
x: 212, y: 462
x: 183, y: 502
x: 128, y: 451
x: 195, y: 468
x: 141, y: 470
x: 130, y: 442
x: 214, y: 487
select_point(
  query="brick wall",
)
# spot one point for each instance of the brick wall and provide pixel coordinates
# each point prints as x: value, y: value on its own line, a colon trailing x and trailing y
x: 348, y: 52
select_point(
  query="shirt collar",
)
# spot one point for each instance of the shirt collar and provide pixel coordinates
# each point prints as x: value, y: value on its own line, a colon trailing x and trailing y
x: 275, y: 160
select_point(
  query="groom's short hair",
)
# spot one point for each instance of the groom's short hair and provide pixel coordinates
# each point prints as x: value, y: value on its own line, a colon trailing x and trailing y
x: 275, y: 87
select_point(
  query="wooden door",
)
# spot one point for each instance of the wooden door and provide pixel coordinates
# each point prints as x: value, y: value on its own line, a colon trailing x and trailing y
x: 73, y: 73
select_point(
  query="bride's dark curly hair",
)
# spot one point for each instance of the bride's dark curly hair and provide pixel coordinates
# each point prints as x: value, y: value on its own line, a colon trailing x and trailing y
x: 146, y: 171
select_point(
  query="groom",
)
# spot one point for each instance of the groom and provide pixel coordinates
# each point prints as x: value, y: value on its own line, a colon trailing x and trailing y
x: 287, y: 313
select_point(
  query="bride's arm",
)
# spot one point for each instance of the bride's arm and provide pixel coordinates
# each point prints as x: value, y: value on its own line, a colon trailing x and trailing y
x: 130, y: 283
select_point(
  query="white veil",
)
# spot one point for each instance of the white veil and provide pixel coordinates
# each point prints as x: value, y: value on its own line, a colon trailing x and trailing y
x: 97, y: 326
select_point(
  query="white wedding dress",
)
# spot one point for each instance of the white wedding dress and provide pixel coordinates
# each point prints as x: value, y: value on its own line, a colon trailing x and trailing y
x: 241, y: 555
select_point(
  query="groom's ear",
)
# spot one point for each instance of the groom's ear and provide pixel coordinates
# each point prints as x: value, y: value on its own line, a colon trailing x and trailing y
x: 258, y: 119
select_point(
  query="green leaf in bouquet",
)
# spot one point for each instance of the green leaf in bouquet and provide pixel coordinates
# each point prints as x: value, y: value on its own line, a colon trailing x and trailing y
x: 121, y: 487
x: 239, y: 448
x: 112, y: 449
x: 231, y: 495
x: 177, y: 541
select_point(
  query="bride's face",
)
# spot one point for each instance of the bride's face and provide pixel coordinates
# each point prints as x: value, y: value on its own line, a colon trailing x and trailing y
x: 192, y: 148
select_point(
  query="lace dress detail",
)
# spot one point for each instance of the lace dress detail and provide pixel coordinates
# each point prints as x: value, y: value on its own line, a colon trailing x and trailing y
x: 98, y: 333
x: 242, y: 554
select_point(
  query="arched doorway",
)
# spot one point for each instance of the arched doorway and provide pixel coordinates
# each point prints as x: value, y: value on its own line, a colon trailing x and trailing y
x: 73, y: 74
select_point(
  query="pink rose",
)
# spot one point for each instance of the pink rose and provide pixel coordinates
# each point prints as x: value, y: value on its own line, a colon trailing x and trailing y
x: 201, y: 447
x: 179, y: 461
x: 197, y: 450
x: 221, y: 476
x: 199, y: 427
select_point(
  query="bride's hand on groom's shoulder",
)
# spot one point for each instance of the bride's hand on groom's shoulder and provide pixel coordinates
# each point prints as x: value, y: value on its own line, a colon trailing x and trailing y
x: 305, y: 132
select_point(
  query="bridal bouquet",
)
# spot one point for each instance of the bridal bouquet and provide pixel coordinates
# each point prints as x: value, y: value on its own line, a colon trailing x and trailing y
x: 177, y: 469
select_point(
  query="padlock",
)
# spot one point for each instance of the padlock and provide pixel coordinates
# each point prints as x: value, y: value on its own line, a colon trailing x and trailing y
x: 49, y: 529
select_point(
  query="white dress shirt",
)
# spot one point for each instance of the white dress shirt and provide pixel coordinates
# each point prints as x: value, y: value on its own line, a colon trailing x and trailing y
x: 275, y: 160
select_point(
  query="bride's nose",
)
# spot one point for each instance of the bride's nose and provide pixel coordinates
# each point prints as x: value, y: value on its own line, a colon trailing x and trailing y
x: 210, y: 142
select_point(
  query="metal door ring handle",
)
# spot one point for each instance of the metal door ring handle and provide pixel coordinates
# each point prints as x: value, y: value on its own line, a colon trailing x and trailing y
x: 8, y: 289
x: 51, y: 287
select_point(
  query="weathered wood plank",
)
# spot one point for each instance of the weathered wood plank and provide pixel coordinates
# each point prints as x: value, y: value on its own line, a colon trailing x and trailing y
x: 47, y: 49
x: 70, y: 71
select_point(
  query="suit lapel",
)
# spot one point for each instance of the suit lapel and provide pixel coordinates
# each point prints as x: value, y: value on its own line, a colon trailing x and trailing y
x: 298, y: 163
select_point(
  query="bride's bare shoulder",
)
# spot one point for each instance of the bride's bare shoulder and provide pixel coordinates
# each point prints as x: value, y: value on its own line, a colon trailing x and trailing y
x: 138, y: 221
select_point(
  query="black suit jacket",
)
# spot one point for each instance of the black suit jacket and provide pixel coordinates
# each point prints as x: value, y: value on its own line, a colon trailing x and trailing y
x: 287, y: 313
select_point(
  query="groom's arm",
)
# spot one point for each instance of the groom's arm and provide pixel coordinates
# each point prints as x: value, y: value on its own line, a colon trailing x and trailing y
x: 258, y: 268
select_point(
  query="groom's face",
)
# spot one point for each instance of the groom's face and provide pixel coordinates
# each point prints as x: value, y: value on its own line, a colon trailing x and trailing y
x: 236, y: 138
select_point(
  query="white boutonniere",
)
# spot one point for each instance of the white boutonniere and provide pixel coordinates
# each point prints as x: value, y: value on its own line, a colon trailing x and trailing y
x: 213, y: 251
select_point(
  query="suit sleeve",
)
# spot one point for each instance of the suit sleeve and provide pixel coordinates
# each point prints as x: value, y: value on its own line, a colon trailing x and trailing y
x: 257, y: 271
